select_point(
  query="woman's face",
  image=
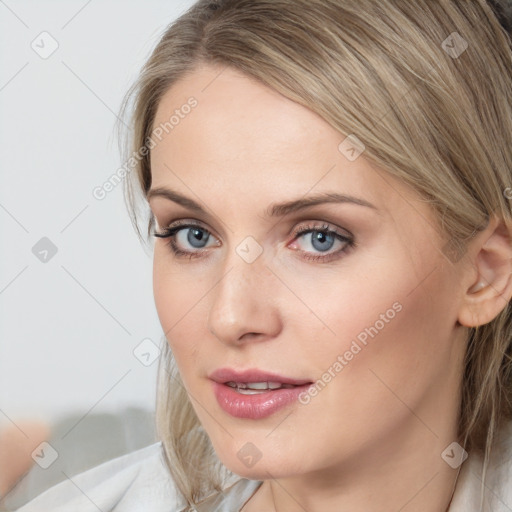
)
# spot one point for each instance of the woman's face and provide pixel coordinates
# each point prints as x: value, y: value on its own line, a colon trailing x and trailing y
x: 350, y: 292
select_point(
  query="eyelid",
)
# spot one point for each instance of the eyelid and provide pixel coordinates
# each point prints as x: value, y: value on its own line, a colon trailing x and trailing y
x: 318, y: 225
x: 185, y: 223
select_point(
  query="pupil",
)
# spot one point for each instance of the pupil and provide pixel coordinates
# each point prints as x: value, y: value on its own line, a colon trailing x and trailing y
x: 320, y: 238
x: 197, y: 235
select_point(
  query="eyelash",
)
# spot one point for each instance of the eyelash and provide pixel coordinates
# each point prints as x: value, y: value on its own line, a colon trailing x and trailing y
x: 172, y: 230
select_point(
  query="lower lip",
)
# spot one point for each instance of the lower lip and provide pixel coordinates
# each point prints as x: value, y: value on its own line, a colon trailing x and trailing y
x: 255, y: 406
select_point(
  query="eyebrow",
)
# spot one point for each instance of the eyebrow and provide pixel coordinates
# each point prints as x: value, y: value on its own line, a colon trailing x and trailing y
x: 274, y: 210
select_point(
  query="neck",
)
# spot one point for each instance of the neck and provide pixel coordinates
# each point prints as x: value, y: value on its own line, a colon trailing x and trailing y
x: 406, y: 473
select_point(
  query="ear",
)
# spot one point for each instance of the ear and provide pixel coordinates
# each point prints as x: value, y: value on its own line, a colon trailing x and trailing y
x: 488, y: 279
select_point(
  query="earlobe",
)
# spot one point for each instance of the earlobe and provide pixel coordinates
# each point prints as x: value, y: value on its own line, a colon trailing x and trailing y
x: 491, y: 256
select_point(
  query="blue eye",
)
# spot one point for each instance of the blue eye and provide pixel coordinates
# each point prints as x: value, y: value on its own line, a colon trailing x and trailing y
x: 321, y: 238
x: 196, y: 236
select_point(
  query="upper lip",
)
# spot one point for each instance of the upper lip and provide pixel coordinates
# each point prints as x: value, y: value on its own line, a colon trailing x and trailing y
x: 223, y: 375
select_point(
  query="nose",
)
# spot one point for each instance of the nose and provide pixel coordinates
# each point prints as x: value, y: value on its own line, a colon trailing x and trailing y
x: 244, y: 303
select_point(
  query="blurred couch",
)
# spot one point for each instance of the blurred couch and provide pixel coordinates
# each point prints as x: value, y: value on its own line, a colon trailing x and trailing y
x: 80, y: 442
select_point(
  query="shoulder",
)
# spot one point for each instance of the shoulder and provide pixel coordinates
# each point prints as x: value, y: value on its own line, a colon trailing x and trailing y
x: 127, y: 483
x: 498, y: 478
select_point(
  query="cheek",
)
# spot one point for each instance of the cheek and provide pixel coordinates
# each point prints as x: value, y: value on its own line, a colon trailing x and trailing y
x: 389, y: 350
x: 389, y: 320
x: 394, y: 341
x: 176, y: 290
x: 177, y: 304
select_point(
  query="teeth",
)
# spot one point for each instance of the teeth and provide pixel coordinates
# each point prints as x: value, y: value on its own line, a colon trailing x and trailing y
x: 250, y: 388
x: 250, y: 391
x: 257, y: 385
x: 239, y: 385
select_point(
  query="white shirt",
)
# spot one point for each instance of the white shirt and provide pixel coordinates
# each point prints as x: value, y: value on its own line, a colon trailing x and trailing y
x: 140, y: 482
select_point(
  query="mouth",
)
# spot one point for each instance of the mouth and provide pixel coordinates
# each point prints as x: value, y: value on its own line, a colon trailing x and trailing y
x: 255, y: 388
x: 255, y: 394
x: 255, y: 379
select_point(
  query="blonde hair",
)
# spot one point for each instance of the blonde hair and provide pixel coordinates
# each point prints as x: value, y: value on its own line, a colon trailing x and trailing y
x: 385, y: 71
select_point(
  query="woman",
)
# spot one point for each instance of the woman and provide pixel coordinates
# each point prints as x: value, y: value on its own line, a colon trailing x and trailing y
x: 329, y: 186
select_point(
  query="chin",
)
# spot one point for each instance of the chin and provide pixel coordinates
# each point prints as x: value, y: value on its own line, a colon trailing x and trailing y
x: 246, y: 462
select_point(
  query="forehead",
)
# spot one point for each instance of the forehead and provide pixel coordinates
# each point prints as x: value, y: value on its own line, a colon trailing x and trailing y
x: 239, y: 118
x: 244, y: 137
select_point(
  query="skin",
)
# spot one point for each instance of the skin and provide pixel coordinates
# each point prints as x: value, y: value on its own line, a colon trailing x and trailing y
x: 17, y: 442
x: 373, y: 436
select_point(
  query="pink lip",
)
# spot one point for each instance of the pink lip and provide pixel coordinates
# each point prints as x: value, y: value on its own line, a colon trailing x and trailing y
x: 259, y: 405
x: 223, y: 375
